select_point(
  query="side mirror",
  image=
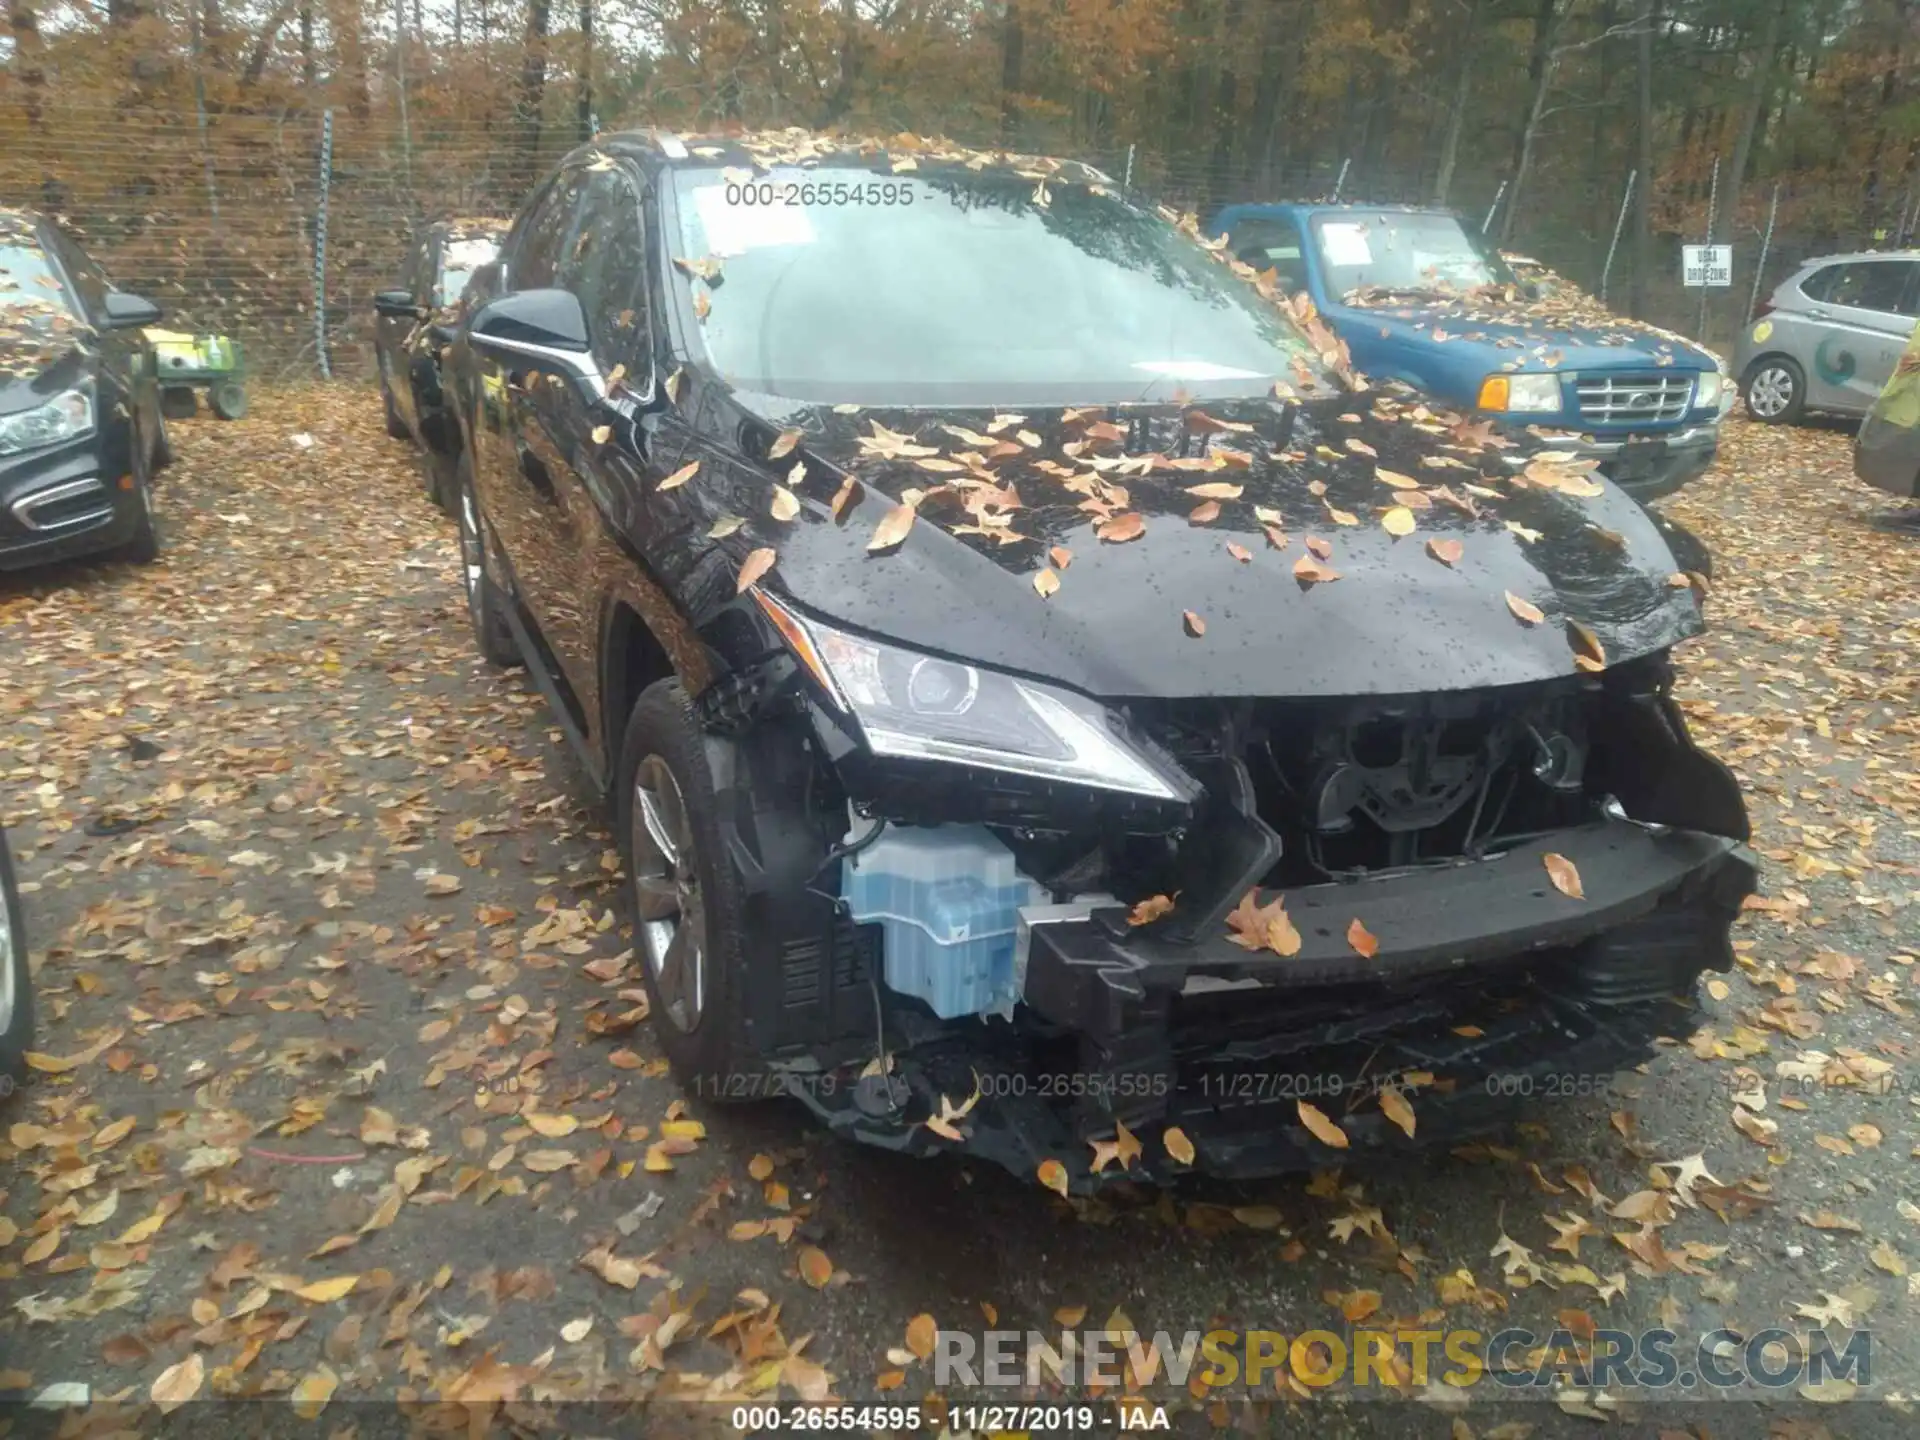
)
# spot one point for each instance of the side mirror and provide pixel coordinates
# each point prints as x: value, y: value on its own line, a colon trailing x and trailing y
x: 121, y: 311
x: 396, y: 305
x: 546, y: 327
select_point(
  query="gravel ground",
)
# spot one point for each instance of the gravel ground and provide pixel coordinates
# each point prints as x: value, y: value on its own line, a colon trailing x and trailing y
x: 343, y: 1090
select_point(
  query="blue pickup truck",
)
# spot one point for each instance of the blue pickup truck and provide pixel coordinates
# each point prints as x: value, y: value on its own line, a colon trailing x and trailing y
x: 1418, y: 297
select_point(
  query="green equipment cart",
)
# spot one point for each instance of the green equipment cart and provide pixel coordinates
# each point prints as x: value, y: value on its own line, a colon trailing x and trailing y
x: 186, y: 363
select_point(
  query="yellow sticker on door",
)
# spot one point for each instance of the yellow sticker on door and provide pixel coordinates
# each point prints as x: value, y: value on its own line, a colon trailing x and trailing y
x: 1762, y: 331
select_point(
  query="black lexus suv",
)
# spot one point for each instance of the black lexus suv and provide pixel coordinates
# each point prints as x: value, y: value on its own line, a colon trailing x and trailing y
x: 414, y: 321
x: 1052, y: 707
x: 81, y: 431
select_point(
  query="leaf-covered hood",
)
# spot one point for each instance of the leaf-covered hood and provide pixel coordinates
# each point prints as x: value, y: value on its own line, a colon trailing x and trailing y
x: 1222, y: 596
x: 38, y: 361
x: 1564, y: 333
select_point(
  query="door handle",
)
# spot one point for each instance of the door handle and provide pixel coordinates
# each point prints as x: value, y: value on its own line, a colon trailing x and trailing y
x: 1819, y: 314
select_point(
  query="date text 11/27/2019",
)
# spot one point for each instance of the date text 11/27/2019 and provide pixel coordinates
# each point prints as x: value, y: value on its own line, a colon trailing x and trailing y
x: 986, y: 1419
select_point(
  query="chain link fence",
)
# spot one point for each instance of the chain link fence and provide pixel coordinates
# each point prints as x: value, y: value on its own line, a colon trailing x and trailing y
x: 218, y: 216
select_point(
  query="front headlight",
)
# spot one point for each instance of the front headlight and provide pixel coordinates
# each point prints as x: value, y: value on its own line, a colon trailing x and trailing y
x: 1530, y: 394
x: 918, y: 707
x: 67, y: 416
x: 1707, y: 389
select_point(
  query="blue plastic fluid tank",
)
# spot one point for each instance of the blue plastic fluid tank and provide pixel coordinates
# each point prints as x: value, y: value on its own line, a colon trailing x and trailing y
x: 948, y: 900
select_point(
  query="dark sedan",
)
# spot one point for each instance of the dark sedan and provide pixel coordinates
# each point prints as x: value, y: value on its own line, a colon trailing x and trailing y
x: 415, y: 321
x: 1052, y: 707
x: 81, y: 433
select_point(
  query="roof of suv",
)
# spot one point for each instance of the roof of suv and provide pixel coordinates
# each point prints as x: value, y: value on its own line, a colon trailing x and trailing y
x: 663, y: 149
x: 1808, y: 264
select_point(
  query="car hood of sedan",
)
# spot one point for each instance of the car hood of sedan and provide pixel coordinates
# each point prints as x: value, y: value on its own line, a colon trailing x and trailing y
x: 1360, y: 546
x: 41, y: 354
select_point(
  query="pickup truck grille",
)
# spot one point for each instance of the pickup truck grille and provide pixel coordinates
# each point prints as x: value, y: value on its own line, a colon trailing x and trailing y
x: 1634, y: 399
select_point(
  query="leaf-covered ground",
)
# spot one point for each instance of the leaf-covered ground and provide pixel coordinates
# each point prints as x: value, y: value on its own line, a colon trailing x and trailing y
x: 343, y: 1088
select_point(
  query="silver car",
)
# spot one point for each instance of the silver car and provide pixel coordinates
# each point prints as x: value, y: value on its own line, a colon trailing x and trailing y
x: 1829, y: 336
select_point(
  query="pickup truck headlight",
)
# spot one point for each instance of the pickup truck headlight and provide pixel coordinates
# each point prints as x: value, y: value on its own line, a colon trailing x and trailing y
x: 67, y: 416
x: 1531, y: 394
x: 1708, y: 387
x: 920, y: 707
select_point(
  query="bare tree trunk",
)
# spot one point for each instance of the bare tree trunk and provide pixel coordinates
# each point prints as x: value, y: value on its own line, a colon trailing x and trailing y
x: 29, y: 51
x: 1462, y: 94
x: 263, y: 46
x: 1012, y: 53
x: 1226, y: 122
x: 1543, y: 83
x: 531, y: 92
x: 1544, y: 18
x: 1643, y: 140
x: 307, y: 72
x: 583, y: 109
x: 1749, y: 121
x: 350, y: 39
x: 1269, y: 97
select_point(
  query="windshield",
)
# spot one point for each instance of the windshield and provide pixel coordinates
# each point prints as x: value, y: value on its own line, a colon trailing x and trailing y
x: 964, y: 288
x: 458, y: 262
x: 30, y: 289
x: 1401, y: 251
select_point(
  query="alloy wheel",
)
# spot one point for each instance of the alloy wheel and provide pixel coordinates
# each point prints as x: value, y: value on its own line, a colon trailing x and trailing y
x: 673, y: 915
x: 1770, y: 392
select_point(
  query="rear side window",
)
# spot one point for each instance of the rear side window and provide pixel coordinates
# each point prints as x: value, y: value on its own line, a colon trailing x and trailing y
x: 1884, y: 285
x: 606, y: 268
x: 1819, y: 285
x: 541, y: 239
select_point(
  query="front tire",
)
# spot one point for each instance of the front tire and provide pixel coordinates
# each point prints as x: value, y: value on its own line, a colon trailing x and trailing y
x: 143, y: 547
x: 440, y: 479
x: 486, y: 606
x: 1775, y: 390
x: 688, y: 924
x: 16, y: 981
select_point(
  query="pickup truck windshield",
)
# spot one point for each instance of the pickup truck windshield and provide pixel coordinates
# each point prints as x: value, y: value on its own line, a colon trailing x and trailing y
x: 1390, y: 250
x: 966, y: 288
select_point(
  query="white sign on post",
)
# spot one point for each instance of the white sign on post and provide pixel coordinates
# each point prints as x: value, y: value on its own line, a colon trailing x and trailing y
x: 1710, y: 265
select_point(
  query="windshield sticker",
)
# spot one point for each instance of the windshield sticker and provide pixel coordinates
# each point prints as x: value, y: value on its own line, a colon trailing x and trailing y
x: 735, y: 229
x: 1194, y: 370
x: 1345, y: 243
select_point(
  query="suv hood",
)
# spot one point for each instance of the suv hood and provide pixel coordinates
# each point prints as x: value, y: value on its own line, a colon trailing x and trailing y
x: 1397, y: 620
x: 1540, y: 336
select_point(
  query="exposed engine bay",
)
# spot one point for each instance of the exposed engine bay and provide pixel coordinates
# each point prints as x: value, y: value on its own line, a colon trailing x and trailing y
x: 974, y: 941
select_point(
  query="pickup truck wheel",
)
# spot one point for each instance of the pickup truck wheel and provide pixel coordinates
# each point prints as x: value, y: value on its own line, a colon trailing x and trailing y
x: 1775, y: 391
x: 16, y: 983
x: 687, y: 902
x: 396, y: 427
x: 486, y: 606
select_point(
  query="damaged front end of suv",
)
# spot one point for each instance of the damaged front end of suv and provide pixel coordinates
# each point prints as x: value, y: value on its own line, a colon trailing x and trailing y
x: 1123, y: 786
x: 1468, y: 899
